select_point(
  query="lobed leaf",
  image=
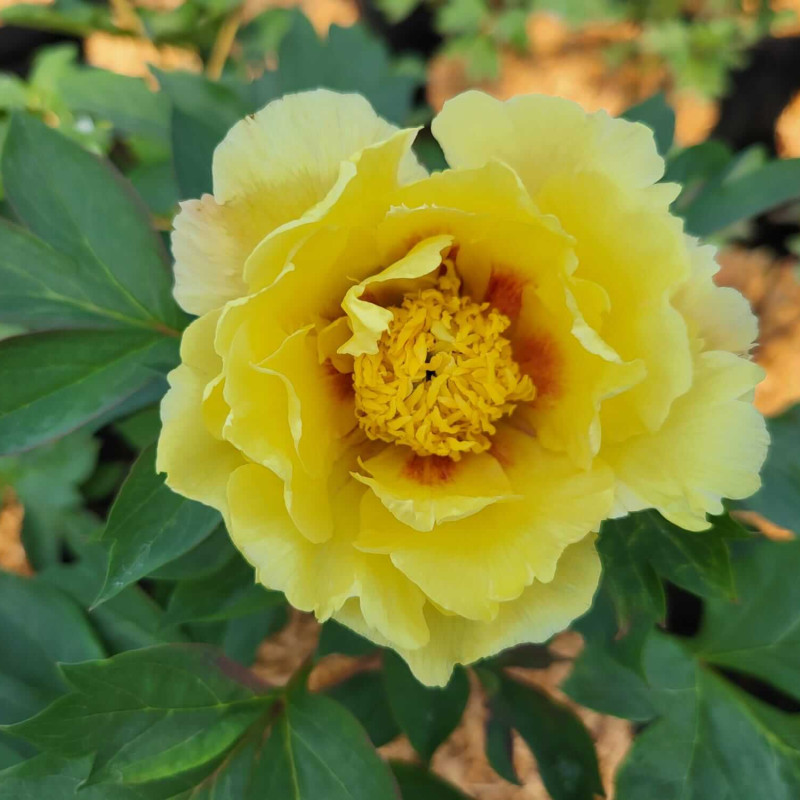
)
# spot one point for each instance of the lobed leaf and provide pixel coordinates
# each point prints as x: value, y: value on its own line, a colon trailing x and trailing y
x: 426, y: 715
x: 149, y: 525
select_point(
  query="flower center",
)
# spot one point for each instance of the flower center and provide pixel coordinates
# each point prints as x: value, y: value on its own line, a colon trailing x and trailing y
x: 442, y: 376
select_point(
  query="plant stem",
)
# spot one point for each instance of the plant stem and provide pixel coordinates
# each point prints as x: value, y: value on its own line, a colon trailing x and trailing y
x: 226, y: 35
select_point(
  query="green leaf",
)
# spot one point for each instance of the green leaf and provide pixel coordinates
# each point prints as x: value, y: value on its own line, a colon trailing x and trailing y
x: 76, y: 17
x: 84, y: 210
x: 128, y: 621
x: 202, y: 560
x: 39, y: 627
x: 260, y: 38
x: 699, y: 162
x: 479, y: 52
x: 760, y: 633
x: 336, y: 638
x: 563, y: 748
x: 698, y: 561
x: 602, y: 680
x: 149, y: 525
x: 47, y: 777
x: 397, y: 10
x: 140, y: 429
x: 712, y: 740
x: 462, y: 16
x: 427, y: 716
x: 779, y: 496
x: 364, y: 696
x: 55, y: 382
x: 659, y: 116
x: 631, y: 579
x: 230, y: 592
x: 43, y: 288
x: 349, y: 60
x: 317, y: 750
x: 124, y: 101
x: 499, y: 740
x: 148, y: 714
x: 13, y: 92
x: 417, y: 783
x: 732, y: 198
x: 156, y: 184
x: 47, y: 481
x: 639, y: 548
x: 511, y: 28
x: 243, y: 636
x: 203, y: 111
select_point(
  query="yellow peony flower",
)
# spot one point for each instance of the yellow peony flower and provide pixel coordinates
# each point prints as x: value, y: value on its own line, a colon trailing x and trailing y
x: 414, y: 398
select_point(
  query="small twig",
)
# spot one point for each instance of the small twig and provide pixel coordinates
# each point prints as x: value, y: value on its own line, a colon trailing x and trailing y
x: 226, y: 35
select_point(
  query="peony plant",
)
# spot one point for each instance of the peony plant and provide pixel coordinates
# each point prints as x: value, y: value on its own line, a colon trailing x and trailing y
x: 322, y: 437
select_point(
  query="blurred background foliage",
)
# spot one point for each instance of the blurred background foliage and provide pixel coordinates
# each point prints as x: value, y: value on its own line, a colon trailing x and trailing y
x: 152, y: 87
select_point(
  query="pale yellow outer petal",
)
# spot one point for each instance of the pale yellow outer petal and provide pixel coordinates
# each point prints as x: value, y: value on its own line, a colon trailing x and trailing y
x: 290, y: 151
x: 719, y: 317
x: 425, y: 492
x: 542, y: 610
x: 196, y: 462
x: 711, y: 446
x: 471, y: 566
x: 271, y: 168
x: 321, y: 577
x: 541, y: 136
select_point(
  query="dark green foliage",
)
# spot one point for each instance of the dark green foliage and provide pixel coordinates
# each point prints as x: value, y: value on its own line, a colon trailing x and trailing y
x: 779, y: 497
x: 426, y: 715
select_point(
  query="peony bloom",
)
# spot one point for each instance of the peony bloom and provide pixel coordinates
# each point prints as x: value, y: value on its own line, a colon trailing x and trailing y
x: 414, y: 398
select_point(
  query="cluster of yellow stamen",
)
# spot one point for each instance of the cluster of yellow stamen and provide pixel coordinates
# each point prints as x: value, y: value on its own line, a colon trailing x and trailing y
x: 443, y: 375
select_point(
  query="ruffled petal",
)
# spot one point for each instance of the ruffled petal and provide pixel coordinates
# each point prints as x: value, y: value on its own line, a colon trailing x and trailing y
x: 196, y: 462
x: 719, y: 317
x: 368, y: 320
x: 711, y: 446
x: 635, y: 250
x: 500, y: 550
x: 288, y: 411
x: 571, y: 381
x: 270, y: 169
x: 423, y: 492
x: 321, y: 577
x: 541, y: 611
x: 290, y: 151
x: 541, y: 136
x: 338, y: 232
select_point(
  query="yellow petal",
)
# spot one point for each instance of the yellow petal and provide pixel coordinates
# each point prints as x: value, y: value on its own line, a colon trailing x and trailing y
x: 425, y: 492
x: 541, y: 136
x: 288, y: 154
x: 196, y: 463
x: 369, y: 320
x: 571, y: 381
x: 542, y: 610
x: 467, y: 567
x: 339, y: 233
x: 288, y: 412
x: 270, y: 169
x: 711, y: 446
x: 321, y: 577
x: 636, y: 251
x: 210, y: 243
x: 719, y: 317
